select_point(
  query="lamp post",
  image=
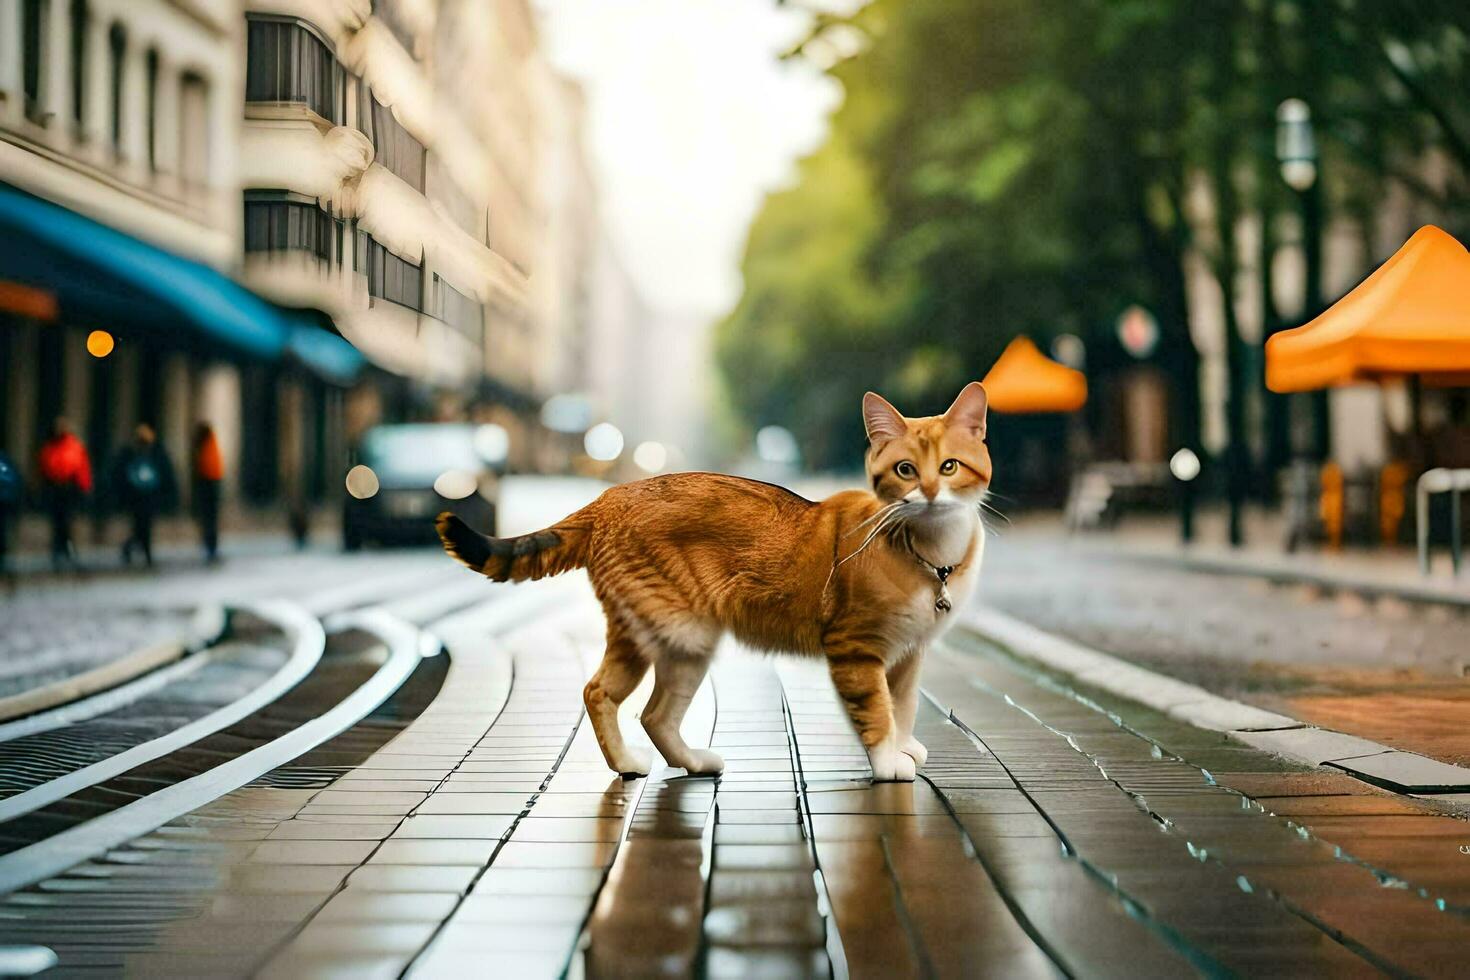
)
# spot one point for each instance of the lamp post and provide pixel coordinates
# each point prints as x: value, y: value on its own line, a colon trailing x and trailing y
x: 1184, y: 466
x: 1296, y: 153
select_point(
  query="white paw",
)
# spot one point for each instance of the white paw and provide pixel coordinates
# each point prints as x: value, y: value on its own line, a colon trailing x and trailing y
x: 890, y: 765
x: 634, y: 762
x: 914, y: 749
x: 703, y: 762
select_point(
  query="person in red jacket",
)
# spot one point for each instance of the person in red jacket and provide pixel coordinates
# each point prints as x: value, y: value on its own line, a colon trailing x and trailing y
x: 209, y: 475
x: 66, y: 477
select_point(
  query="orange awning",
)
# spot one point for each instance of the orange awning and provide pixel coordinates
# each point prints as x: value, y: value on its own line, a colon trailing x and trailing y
x: 27, y: 301
x: 1411, y: 316
x: 1025, y: 380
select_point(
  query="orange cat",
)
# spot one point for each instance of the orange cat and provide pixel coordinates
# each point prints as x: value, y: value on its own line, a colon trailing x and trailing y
x: 863, y: 579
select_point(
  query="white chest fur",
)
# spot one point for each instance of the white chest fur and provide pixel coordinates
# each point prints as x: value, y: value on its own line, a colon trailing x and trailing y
x: 921, y: 622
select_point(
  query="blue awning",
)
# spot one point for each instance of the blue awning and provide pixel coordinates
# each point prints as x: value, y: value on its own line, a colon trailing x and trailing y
x: 107, y: 279
x: 326, y: 353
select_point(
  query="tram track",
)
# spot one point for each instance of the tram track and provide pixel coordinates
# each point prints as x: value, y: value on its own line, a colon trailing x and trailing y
x: 348, y: 650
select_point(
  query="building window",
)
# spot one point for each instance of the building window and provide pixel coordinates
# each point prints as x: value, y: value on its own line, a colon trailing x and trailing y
x: 287, y: 62
x: 394, y: 279
x: 151, y: 67
x: 276, y: 223
x: 193, y: 129
x: 117, y: 44
x: 395, y: 148
x: 32, y: 29
x: 80, y: 21
x: 461, y: 312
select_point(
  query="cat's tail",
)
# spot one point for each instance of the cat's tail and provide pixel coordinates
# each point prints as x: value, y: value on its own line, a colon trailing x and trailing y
x: 556, y: 549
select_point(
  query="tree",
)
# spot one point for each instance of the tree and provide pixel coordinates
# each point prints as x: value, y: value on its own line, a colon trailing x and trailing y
x: 1021, y: 166
x: 811, y: 326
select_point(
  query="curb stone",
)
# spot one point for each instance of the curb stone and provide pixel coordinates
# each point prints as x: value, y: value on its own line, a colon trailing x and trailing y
x: 1372, y: 762
x: 207, y: 625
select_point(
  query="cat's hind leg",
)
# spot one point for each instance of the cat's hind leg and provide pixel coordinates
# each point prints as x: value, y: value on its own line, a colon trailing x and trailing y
x: 623, y: 666
x: 862, y: 683
x: 903, y: 685
x: 677, y: 676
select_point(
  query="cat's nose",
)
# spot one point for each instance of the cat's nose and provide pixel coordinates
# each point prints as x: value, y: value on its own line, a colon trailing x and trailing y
x: 930, y: 489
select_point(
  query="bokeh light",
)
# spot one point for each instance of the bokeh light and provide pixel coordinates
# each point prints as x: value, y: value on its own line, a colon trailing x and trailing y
x: 570, y: 412
x: 776, y: 444
x: 651, y: 457
x: 100, y: 343
x: 492, y: 442
x: 604, y: 442
x: 1184, y: 465
x: 455, y: 484
x: 362, y: 482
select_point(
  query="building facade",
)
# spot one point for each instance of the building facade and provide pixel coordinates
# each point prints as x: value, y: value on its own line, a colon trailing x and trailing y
x: 392, y: 162
x: 125, y: 112
x: 409, y: 175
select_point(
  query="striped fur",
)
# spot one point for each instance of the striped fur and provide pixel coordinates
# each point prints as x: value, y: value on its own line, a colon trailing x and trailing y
x: 556, y: 549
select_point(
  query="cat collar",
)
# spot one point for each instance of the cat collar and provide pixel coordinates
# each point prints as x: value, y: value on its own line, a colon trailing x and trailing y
x: 941, y: 572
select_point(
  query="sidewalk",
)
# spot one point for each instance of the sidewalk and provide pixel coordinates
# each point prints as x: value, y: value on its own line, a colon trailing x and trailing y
x: 1355, y: 642
x: 1372, y: 572
x: 176, y: 540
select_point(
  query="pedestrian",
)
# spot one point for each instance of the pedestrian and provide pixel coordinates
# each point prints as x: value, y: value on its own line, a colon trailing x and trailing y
x: 143, y: 479
x: 209, y: 473
x: 12, y: 490
x: 66, y: 477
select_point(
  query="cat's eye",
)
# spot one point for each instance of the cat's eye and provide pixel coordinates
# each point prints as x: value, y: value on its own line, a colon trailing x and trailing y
x: 949, y: 467
x: 906, y: 470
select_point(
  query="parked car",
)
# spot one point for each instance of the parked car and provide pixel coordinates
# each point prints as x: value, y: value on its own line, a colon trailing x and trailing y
x: 405, y: 475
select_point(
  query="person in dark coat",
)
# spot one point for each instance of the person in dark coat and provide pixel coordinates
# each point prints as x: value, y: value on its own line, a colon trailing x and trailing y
x: 143, y: 479
x: 12, y: 491
x: 66, y: 477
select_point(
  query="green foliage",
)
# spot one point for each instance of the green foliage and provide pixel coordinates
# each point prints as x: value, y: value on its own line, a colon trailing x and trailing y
x: 1019, y: 166
x: 812, y: 324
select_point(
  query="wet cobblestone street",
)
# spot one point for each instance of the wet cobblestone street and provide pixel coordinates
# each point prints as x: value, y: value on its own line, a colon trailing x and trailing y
x: 1053, y: 831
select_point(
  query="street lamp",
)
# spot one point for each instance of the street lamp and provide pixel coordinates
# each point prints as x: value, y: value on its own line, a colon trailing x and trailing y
x: 1296, y: 153
x: 1069, y: 349
x: 1184, y: 466
x: 1296, y: 145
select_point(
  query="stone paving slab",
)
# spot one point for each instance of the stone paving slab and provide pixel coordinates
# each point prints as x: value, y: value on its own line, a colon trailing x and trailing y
x: 1406, y: 772
x: 1315, y: 865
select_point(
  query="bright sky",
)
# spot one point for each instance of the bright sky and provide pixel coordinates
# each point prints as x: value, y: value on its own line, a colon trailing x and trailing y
x: 692, y: 120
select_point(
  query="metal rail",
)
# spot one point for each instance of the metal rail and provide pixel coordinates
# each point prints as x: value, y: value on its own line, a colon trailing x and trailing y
x: 1454, y: 483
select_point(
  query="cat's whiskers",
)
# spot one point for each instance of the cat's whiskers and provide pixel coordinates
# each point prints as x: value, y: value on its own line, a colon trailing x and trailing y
x: 891, y: 516
x: 888, y: 516
x: 986, y: 508
x: 877, y: 515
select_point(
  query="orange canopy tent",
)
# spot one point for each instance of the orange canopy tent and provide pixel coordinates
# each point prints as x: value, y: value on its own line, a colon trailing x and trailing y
x: 1410, y: 317
x: 1024, y: 380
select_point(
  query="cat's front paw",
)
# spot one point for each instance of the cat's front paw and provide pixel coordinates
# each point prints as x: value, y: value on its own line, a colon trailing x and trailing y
x: 914, y: 749
x: 703, y: 762
x: 634, y: 762
x: 890, y: 765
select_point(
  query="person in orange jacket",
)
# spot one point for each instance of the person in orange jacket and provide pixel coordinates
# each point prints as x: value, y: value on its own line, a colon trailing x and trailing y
x: 66, y: 477
x: 209, y: 474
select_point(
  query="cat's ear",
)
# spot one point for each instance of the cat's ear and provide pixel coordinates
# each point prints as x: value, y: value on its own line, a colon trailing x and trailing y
x: 881, y: 420
x: 968, y: 410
